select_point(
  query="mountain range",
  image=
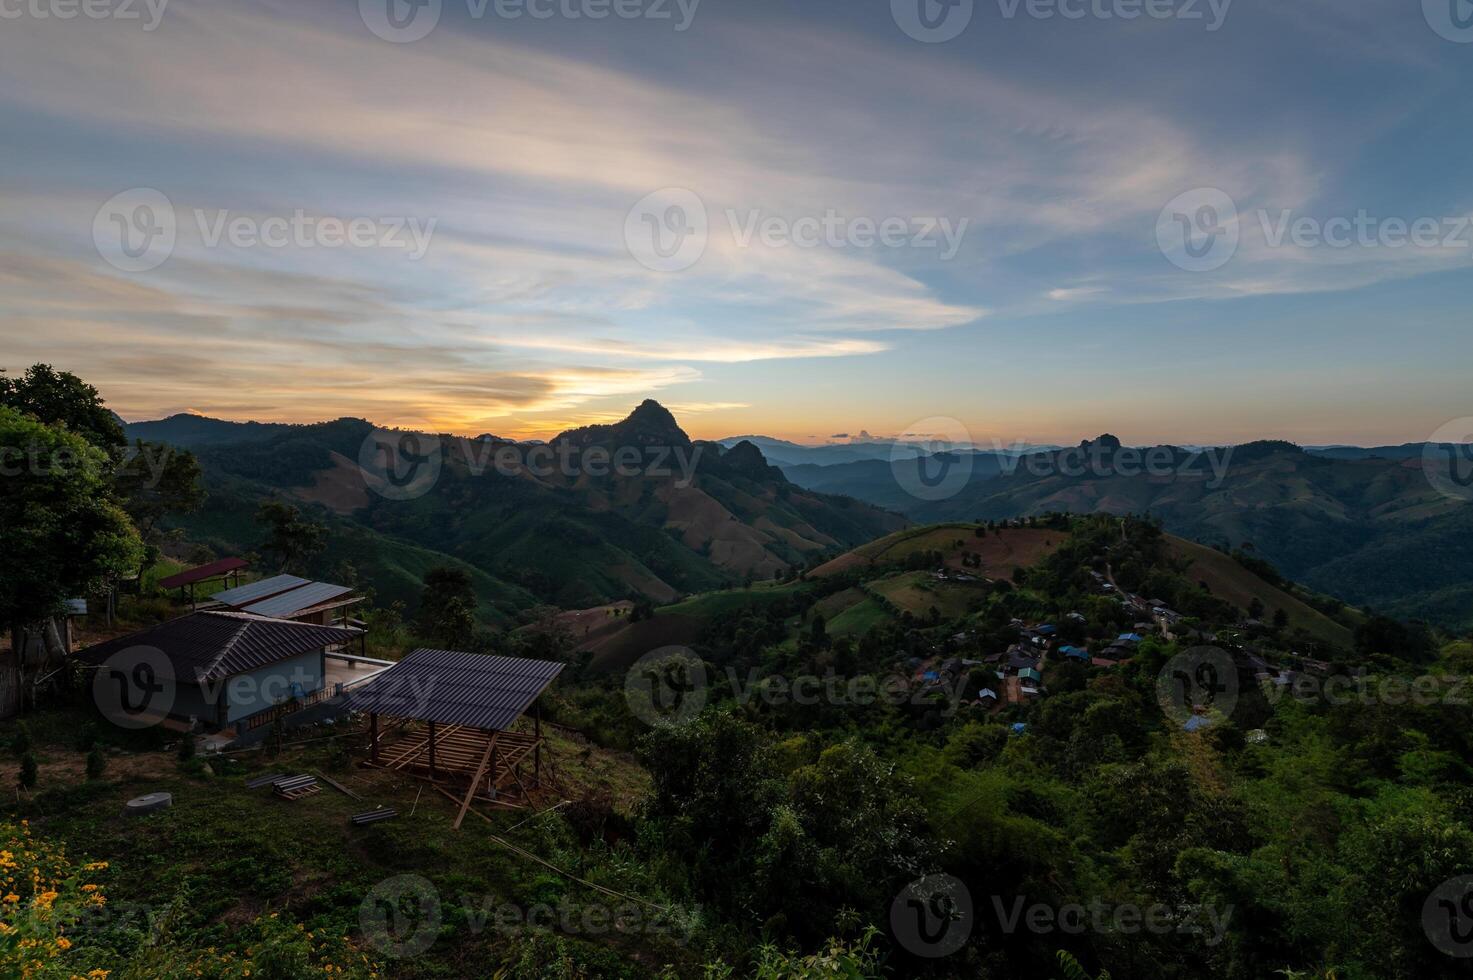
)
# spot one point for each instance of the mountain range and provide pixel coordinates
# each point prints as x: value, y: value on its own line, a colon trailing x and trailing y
x: 1366, y: 525
x: 569, y: 522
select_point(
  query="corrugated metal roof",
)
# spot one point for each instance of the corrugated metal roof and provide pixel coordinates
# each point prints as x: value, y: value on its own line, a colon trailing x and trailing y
x: 256, y: 591
x: 199, y: 574
x: 206, y: 646
x: 454, y: 688
x: 288, y: 604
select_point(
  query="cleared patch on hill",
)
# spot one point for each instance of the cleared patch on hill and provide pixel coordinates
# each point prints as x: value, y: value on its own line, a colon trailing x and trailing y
x: 1000, y: 550
x: 1230, y: 581
x: 858, y: 619
x: 919, y: 592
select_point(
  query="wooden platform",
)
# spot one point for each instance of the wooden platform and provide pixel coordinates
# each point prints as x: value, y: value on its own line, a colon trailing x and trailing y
x: 494, y: 764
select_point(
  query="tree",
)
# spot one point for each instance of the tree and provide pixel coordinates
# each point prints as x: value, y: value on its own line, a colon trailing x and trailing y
x: 447, y: 606
x: 61, y: 398
x: 293, y: 539
x: 62, y: 534
x: 155, y: 480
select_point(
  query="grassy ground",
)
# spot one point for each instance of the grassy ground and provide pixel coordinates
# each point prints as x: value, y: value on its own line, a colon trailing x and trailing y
x: 858, y: 619
x: 1231, y: 581
x: 917, y: 592
x: 223, y: 853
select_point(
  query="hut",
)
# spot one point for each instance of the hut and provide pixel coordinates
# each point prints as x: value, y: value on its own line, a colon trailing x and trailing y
x: 451, y: 718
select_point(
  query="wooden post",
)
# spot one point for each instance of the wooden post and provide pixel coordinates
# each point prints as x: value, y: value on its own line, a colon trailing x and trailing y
x: 373, y: 738
x: 475, y: 781
x: 537, y: 750
x: 432, y: 750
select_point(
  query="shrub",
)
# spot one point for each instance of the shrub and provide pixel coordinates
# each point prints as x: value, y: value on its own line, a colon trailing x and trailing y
x: 28, y: 770
x: 96, y: 762
x: 22, y: 742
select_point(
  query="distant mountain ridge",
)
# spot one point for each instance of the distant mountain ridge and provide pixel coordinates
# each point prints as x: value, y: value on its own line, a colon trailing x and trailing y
x: 686, y: 517
x: 1368, y: 528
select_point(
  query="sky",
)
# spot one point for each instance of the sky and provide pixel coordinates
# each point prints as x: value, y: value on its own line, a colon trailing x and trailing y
x: 1034, y: 221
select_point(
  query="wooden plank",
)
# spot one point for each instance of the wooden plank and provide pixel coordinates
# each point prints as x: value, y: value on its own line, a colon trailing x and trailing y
x: 339, y: 786
x: 475, y: 781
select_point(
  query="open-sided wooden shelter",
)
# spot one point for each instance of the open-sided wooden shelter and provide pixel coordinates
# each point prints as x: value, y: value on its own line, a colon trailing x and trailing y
x: 447, y: 717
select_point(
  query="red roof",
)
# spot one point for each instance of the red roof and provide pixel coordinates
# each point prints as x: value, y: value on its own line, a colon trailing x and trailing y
x: 213, y: 569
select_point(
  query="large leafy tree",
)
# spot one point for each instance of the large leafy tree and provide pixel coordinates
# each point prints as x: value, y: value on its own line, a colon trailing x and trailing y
x: 62, y: 533
x: 155, y: 480
x: 151, y: 479
x: 62, y: 398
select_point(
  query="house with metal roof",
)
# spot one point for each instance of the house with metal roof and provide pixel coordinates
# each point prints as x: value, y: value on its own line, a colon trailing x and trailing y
x: 1074, y: 652
x: 292, y: 597
x: 225, y: 670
